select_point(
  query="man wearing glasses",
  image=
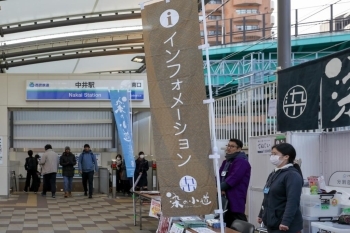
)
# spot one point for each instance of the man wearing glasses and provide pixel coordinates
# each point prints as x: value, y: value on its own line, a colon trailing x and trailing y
x: 235, y: 176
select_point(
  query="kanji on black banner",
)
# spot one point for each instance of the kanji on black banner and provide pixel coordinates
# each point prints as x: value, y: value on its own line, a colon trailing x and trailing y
x: 298, y: 97
x: 336, y: 90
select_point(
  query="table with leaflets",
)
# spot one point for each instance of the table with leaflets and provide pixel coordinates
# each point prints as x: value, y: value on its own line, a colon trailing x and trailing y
x: 153, y: 198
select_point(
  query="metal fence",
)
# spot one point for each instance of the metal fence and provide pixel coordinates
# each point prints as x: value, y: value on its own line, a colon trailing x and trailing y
x: 246, y: 114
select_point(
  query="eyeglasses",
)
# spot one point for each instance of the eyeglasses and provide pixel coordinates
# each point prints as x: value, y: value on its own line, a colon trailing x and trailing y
x: 230, y: 146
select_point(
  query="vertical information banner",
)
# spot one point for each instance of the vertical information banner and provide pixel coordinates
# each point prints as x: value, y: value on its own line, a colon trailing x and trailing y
x: 120, y: 102
x: 179, y: 117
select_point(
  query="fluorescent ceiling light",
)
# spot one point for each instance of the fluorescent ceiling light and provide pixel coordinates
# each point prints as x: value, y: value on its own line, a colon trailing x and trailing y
x: 139, y: 59
x: 69, y: 34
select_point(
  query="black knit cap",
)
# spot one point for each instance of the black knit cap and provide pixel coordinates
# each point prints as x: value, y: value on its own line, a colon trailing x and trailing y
x: 86, y: 145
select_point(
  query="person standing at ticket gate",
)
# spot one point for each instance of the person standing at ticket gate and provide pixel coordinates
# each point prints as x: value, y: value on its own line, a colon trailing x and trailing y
x: 87, y: 165
x: 30, y: 166
x: 49, y: 164
x: 141, y: 169
x: 124, y: 184
x: 235, y: 176
x: 67, y: 161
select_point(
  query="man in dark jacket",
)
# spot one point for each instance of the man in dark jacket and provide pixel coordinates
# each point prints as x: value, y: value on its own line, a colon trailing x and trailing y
x: 87, y: 167
x: 235, y: 176
x: 31, y: 165
x: 67, y: 161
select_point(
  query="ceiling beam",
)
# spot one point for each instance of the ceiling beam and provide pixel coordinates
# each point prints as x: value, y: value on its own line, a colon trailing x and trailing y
x: 4, y: 55
x: 78, y: 55
x: 68, y: 22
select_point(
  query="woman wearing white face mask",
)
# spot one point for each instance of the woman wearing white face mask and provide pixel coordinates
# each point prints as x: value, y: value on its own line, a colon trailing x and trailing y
x: 280, y: 208
x: 141, y: 169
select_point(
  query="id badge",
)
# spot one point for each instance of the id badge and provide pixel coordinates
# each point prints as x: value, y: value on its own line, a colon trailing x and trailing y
x: 266, y: 190
x: 223, y: 173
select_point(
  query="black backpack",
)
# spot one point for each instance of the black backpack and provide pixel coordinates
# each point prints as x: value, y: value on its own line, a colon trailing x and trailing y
x: 31, y: 166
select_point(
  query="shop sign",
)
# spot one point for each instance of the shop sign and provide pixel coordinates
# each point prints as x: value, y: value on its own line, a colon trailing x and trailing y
x: 340, y: 179
x: 88, y: 90
x: 280, y: 139
x: 305, y: 90
x: 264, y: 146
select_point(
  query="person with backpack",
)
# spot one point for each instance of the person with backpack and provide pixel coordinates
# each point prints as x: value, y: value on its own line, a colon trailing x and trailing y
x: 87, y: 165
x: 30, y: 166
x: 67, y: 161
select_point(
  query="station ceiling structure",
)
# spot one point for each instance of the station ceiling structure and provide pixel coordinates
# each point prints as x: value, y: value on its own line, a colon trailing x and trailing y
x: 80, y: 36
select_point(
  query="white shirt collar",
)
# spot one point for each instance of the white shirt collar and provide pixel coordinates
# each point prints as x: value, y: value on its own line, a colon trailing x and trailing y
x: 285, y: 166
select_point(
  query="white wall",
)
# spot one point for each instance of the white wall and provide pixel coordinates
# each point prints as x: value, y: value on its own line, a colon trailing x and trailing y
x: 143, y: 135
x: 335, y: 149
x: 13, y: 96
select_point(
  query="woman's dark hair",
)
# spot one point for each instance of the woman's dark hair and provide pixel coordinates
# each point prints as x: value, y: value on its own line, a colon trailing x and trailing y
x: 288, y: 149
x: 118, y: 155
x: 37, y: 156
x: 238, y: 142
x: 141, y: 153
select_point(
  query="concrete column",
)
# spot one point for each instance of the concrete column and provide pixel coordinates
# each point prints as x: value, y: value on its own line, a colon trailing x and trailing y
x: 4, y: 161
x: 284, y: 35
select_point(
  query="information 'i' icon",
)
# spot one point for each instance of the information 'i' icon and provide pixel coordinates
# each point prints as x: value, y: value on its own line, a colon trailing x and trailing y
x: 169, y: 18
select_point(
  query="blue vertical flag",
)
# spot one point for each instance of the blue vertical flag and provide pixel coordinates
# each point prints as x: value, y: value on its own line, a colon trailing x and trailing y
x: 120, y: 100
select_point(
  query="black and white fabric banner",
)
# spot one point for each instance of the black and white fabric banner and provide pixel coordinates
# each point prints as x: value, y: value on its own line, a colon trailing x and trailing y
x: 298, y: 97
x: 336, y: 90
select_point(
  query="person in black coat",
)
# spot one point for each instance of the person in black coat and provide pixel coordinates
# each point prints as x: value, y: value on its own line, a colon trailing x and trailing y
x: 68, y: 161
x: 141, y: 169
x: 35, y: 185
x: 31, y: 165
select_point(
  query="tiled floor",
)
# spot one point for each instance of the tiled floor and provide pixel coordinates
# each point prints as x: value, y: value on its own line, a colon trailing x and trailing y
x: 29, y: 213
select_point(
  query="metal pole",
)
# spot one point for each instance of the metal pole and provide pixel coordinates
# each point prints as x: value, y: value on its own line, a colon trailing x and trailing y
x: 222, y: 23
x: 114, y: 127
x: 284, y: 35
x: 244, y: 29
x: 331, y: 21
x: 264, y: 22
x: 11, y: 130
x: 215, y: 155
x: 217, y: 32
x: 296, y: 22
x: 114, y: 183
x: 231, y: 31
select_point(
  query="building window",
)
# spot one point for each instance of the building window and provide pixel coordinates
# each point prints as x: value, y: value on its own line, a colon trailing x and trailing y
x: 214, y: 17
x: 213, y: 33
x: 202, y: 33
x: 214, y: 2
x: 247, y: 27
x: 247, y: 11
